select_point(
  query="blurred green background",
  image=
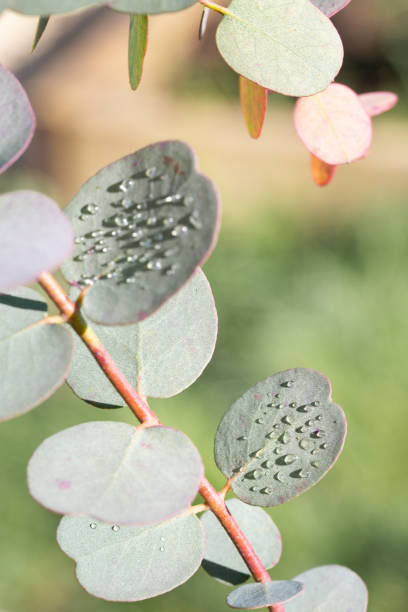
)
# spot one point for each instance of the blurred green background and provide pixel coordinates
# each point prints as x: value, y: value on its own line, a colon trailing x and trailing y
x: 301, y: 277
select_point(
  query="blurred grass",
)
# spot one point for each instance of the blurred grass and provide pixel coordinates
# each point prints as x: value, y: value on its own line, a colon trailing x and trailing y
x: 291, y: 290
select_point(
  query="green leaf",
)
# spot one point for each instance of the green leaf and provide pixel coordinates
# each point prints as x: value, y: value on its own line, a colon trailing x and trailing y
x: 116, y: 473
x: 132, y: 563
x: 254, y: 100
x: 160, y: 356
x: 42, y: 24
x: 280, y: 437
x: 17, y: 119
x: 330, y: 588
x: 35, y: 237
x: 143, y: 224
x: 48, y: 7
x: 261, y: 595
x: 331, y: 7
x: 289, y: 46
x: 222, y: 560
x: 137, y: 47
x: 34, y: 356
x: 150, y: 7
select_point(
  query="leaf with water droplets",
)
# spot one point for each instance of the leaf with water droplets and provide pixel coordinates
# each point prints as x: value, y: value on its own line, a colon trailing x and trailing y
x: 280, y: 437
x: 116, y: 473
x: 112, y: 561
x: 262, y: 595
x: 17, y: 119
x: 34, y: 356
x: 331, y: 7
x: 254, y: 100
x: 289, y: 46
x: 160, y: 356
x: 137, y: 47
x: 150, y: 7
x: 334, y: 125
x: 35, y: 237
x: 48, y: 7
x: 330, y: 588
x: 143, y: 225
x: 322, y: 173
x: 222, y: 560
x: 378, y: 102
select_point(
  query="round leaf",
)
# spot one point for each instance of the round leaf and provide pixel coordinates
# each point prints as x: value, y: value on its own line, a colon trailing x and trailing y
x: 34, y: 356
x: 377, y: 102
x: 330, y: 588
x: 334, y: 125
x: 150, y: 7
x: 17, y: 119
x: 331, y: 7
x: 116, y: 473
x: 143, y: 225
x: 261, y: 595
x: 287, y: 46
x: 280, y: 437
x: 222, y: 560
x: 132, y: 563
x: 160, y: 356
x: 48, y: 7
x: 36, y: 237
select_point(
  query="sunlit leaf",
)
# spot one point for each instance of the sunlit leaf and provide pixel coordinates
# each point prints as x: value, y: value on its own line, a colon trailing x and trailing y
x: 377, y: 102
x: 137, y: 47
x: 261, y: 595
x: 322, y: 173
x: 222, y: 560
x: 34, y: 357
x: 143, y: 225
x: 289, y: 46
x: 280, y: 437
x: 35, y: 237
x: 42, y: 24
x: 334, y: 125
x: 116, y: 473
x: 160, y: 356
x: 17, y: 120
x: 254, y: 100
x: 132, y: 563
x: 330, y: 588
x: 331, y: 7
x: 150, y: 7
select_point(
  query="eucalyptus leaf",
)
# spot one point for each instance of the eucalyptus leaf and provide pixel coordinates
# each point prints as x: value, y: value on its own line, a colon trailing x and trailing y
x: 48, y: 7
x: 261, y: 595
x: 35, y: 237
x: 116, y: 473
x: 254, y: 101
x: 17, y: 119
x: 160, y: 356
x: 331, y: 7
x: 150, y: 7
x: 132, y: 563
x: 330, y: 588
x: 137, y: 47
x: 280, y: 437
x: 143, y: 225
x: 289, y: 46
x: 222, y: 560
x: 34, y: 356
x: 41, y: 26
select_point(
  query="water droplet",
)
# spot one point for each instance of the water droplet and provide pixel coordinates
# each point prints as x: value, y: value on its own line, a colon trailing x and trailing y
x: 158, y: 238
x: 146, y: 243
x: 324, y: 445
x: 300, y: 474
x: 96, y: 233
x: 271, y: 435
x: 131, y: 258
x: 126, y: 202
x: 266, y: 491
x: 277, y: 426
x: 309, y: 423
x: 286, y: 419
x: 90, y: 209
x: 314, y: 451
x: 179, y: 230
x: 253, y: 489
x: 162, y: 539
x: 287, y: 383
x: 279, y: 476
x: 137, y: 234
x: 121, y: 221
x: 316, y: 403
x: 306, y: 444
x: 171, y: 199
x: 93, y: 525
x: 259, y: 421
x: 318, y: 433
x: 130, y: 280
x: 82, y: 217
x: 253, y: 474
x: 151, y: 172
x: 268, y: 464
x: 154, y: 264
x: 284, y: 438
x: 242, y: 438
x: 151, y: 221
x: 277, y: 450
x: 141, y: 206
x: 319, y: 417
x: 315, y: 464
x: 127, y: 184
x: 288, y: 459
x: 195, y: 221
x: 161, y: 548
x: 292, y: 405
x: 279, y: 406
x: 115, y: 528
x: 302, y: 429
x: 188, y: 200
x: 168, y: 221
x: 304, y: 408
x: 79, y: 240
x: 115, y: 233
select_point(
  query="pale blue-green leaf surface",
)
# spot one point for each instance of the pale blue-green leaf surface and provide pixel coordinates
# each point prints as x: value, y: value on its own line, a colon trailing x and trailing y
x: 34, y: 356
x: 222, y: 560
x: 143, y: 225
x: 261, y: 595
x: 132, y: 563
x: 150, y: 7
x: 17, y: 119
x: 48, y: 7
x: 288, y: 46
x: 280, y: 437
x: 330, y: 588
x: 160, y: 356
x: 331, y: 7
x: 35, y: 237
x: 116, y: 473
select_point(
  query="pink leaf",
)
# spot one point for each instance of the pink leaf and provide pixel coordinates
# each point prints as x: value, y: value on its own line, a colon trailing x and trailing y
x: 377, y: 102
x: 334, y: 125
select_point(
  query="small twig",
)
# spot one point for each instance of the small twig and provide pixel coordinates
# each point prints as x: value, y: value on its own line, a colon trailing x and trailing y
x: 216, y: 7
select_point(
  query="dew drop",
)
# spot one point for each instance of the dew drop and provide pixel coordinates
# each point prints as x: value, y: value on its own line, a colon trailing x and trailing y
x: 242, y: 438
x: 93, y: 525
x: 279, y: 476
x: 286, y: 419
x: 161, y: 548
x: 168, y: 221
x: 277, y: 450
x: 121, y: 221
x: 306, y: 444
x: 259, y: 421
x: 146, y: 243
x: 268, y: 464
x: 284, y: 438
x: 279, y: 406
x: 131, y: 258
x: 141, y: 206
x: 304, y: 408
x: 151, y: 172
x: 318, y: 433
x: 162, y: 539
x: 137, y: 234
x: 179, y: 230
x: 287, y: 383
x: 271, y: 435
x: 315, y: 464
x: 316, y: 403
x: 130, y: 280
x: 292, y: 405
x: 158, y: 237
x: 127, y: 184
x: 126, y: 202
x: 277, y: 426
x: 302, y: 429
x: 115, y: 528
x: 79, y: 240
x: 254, y: 474
x: 172, y: 270
x: 300, y: 474
x: 188, y: 200
x: 324, y: 446
x: 171, y: 199
x: 115, y: 233
x: 309, y: 423
x: 253, y: 489
x: 314, y: 451
x: 154, y: 264
x: 96, y: 233
x: 151, y: 221
x: 195, y: 221
x: 288, y: 459
x: 266, y: 491
x: 90, y: 209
